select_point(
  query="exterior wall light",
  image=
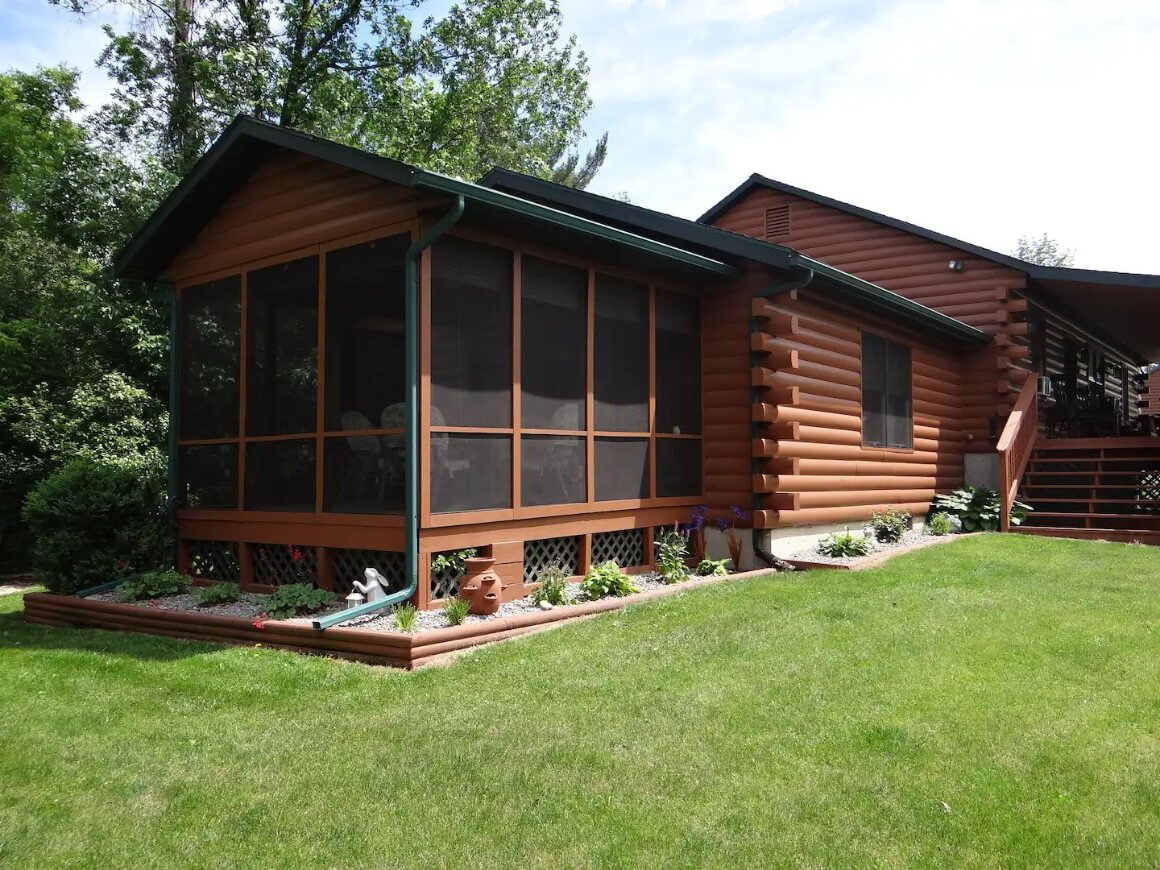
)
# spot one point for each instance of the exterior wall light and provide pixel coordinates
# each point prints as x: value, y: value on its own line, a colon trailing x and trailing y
x: 955, y: 265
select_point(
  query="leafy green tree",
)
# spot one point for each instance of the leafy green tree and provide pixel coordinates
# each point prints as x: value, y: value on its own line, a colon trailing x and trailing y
x: 1043, y: 251
x: 81, y: 355
x: 491, y: 82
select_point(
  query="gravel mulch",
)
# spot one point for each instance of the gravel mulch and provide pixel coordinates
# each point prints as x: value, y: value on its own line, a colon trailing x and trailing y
x: 250, y: 606
x: 813, y: 554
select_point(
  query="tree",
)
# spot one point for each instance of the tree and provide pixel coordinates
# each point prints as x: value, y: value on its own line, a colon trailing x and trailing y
x: 1043, y: 251
x: 492, y: 82
x: 81, y: 355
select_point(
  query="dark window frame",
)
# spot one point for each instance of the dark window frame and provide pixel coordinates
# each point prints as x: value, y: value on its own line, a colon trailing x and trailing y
x: 892, y: 351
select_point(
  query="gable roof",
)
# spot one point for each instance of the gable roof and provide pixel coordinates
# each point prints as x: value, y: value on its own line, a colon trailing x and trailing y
x: 732, y: 247
x: 247, y: 142
x: 1064, y: 283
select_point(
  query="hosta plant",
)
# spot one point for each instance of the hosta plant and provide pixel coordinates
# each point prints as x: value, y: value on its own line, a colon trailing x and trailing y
x: 606, y: 580
x: 842, y: 545
x: 978, y: 508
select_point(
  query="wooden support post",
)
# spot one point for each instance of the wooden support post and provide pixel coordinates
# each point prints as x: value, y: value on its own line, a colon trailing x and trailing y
x: 585, y: 558
x: 324, y: 561
x: 246, y: 565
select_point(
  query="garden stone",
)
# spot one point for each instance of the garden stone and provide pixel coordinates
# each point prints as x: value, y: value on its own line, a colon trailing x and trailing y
x: 956, y: 524
x: 546, y: 605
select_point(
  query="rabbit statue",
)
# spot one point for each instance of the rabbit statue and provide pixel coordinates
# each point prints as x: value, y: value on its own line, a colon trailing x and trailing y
x: 375, y: 589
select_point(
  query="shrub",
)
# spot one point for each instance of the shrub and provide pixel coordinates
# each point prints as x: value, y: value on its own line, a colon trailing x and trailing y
x: 153, y: 584
x: 606, y: 580
x: 93, y: 521
x: 938, y: 524
x: 553, y: 586
x: 294, y: 599
x: 218, y: 593
x: 712, y: 568
x: 405, y: 615
x: 672, y: 549
x: 452, y: 563
x: 843, y: 544
x: 978, y: 508
x: 455, y: 609
x: 889, y: 525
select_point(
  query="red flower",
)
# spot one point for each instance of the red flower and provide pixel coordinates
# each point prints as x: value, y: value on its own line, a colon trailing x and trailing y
x: 259, y: 621
x: 296, y: 554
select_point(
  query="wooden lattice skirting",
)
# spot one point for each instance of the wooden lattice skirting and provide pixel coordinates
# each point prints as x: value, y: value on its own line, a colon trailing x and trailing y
x: 359, y: 644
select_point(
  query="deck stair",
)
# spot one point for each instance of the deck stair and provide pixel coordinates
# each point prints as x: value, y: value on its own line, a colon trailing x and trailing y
x: 1105, y: 488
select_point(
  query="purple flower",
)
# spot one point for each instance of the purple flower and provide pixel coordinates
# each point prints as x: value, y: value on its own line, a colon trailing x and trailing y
x: 722, y: 523
x: 738, y: 513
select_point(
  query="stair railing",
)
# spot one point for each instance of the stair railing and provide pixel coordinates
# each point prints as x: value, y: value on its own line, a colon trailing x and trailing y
x: 1015, y: 445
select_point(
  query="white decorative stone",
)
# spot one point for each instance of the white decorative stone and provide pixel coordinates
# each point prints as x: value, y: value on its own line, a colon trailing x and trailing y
x: 546, y: 605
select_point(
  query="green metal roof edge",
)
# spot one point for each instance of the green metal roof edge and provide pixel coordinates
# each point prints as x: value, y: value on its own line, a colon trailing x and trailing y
x: 447, y: 184
x: 394, y: 171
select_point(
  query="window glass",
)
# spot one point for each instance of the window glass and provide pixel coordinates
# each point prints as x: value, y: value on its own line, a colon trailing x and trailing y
x: 282, y: 348
x: 470, y: 472
x: 471, y: 334
x: 678, y: 467
x: 554, y: 346
x: 886, y: 393
x: 365, y: 343
x: 553, y: 469
x: 210, y: 359
x: 207, y: 476
x: 678, y: 363
x: 621, y: 468
x: 280, y: 475
x: 620, y: 347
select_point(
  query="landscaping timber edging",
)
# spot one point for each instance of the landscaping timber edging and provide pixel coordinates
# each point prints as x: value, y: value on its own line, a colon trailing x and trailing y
x: 397, y: 649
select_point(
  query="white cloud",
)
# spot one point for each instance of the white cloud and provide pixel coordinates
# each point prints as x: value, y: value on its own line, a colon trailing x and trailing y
x: 984, y: 120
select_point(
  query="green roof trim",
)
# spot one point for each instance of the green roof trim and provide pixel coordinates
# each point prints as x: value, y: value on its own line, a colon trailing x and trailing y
x: 248, y: 141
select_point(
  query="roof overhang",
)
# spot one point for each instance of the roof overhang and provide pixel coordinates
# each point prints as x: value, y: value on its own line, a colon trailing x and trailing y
x: 738, y: 250
x: 1125, y: 314
x: 248, y: 142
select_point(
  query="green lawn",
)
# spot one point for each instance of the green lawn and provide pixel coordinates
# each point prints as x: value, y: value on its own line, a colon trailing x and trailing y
x: 991, y: 702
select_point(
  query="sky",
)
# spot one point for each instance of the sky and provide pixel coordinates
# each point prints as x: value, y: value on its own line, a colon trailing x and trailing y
x: 981, y: 120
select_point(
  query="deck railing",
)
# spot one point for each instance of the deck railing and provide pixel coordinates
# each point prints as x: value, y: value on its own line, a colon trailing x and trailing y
x: 1015, y: 445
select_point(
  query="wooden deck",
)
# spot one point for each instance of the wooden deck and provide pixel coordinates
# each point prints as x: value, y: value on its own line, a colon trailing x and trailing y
x: 1096, y: 488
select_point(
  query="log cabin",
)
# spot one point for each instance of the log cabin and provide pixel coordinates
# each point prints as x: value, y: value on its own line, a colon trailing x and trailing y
x: 377, y: 365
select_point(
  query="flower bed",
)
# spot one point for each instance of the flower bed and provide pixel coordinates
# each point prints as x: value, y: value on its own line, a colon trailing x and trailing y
x: 375, y: 645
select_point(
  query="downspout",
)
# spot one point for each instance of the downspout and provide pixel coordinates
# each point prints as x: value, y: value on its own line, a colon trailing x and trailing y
x: 171, y: 458
x: 798, y: 282
x: 411, y: 496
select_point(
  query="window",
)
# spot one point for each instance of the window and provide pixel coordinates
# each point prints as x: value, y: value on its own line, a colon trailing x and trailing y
x: 886, y: 393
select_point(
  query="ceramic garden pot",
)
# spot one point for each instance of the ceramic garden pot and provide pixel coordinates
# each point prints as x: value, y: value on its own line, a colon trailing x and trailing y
x: 481, y: 586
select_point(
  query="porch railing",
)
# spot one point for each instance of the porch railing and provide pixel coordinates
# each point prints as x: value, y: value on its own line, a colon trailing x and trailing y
x: 1015, y: 445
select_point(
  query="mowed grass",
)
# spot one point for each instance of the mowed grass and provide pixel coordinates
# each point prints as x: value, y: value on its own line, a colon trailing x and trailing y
x: 990, y: 702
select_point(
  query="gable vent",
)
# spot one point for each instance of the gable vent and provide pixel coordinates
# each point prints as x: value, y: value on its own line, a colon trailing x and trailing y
x: 777, y: 221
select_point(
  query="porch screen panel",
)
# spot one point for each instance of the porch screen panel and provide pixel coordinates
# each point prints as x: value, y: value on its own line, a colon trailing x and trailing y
x: 553, y: 345
x: 210, y: 359
x: 678, y: 363
x: 471, y: 334
x: 553, y: 470
x: 470, y: 472
x: 282, y: 348
x: 678, y: 467
x: 621, y: 468
x: 621, y: 356
x: 364, y: 333
x: 280, y: 475
x: 207, y: 476
x: 364, y: 474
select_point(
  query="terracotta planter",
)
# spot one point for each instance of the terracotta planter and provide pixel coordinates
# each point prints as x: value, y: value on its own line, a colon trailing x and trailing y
x: 481, y: 586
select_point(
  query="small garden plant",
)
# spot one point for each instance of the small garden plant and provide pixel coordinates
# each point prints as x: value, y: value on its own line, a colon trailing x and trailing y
x: 978, y: 508
x: 553, y: 586
x: 671, y: 552
x: 712, y: 568
x: 889, y: 525
x: 218, y: 593
x: 294, y: 599
x: 405, y: 615
x: 453, y: 562
x: 938, y: 524
x: 153, y: 584
x: 841, y: 545
x: 603, y: 581
x: 455, y: 609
